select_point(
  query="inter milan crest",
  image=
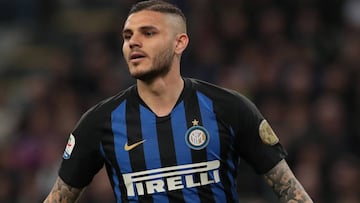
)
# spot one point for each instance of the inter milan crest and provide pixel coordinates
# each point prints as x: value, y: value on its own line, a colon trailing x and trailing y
x: 197, y: 137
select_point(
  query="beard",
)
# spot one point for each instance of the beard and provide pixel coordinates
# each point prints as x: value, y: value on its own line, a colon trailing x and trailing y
x: 161, y: 66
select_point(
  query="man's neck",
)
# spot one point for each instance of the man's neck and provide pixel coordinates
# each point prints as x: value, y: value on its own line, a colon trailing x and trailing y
x: 161, y: 94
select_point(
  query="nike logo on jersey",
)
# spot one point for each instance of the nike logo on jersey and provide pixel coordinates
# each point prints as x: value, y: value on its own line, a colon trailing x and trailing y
x: 130, y: 147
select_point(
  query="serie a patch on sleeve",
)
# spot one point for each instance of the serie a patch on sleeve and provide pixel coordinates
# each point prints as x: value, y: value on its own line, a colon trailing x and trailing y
x: 69, y: 147
x: 267, y: 134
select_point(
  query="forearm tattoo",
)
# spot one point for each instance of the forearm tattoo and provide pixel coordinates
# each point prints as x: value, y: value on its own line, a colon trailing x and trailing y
x: 285, y: 184
x: 62, y: 193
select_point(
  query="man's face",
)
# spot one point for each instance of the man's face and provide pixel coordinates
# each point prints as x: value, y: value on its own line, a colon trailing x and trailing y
x: 149, y: 44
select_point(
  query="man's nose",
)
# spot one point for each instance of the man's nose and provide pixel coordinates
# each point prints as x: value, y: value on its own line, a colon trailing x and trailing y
x: 135, y: 41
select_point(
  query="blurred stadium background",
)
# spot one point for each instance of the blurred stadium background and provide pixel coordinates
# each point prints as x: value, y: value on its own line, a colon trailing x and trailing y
x: 298, y: 60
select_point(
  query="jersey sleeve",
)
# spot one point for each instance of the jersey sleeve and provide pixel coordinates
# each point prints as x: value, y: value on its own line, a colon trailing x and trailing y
x: 256, y: 142
x: 82, y: 158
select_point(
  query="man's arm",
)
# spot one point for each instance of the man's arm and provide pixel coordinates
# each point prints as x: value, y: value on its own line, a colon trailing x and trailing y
x: 63, y: 193
x: 285, y: 185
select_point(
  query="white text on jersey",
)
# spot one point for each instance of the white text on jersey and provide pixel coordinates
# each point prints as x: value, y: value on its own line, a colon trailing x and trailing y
x: 172, y: 178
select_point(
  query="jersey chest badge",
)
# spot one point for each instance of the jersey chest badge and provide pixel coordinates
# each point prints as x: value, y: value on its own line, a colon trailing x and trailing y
x: 197, y: 137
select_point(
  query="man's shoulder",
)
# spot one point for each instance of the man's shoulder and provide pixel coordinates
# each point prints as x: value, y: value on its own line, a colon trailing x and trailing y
x: 213, y: 90
x: 227, y: 100
x: 108, y: 104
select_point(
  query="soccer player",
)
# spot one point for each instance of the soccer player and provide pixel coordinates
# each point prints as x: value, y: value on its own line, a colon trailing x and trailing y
x: 169, y: 138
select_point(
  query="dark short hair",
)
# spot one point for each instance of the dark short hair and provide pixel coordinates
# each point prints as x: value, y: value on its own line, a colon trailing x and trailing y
x: 158, y: 6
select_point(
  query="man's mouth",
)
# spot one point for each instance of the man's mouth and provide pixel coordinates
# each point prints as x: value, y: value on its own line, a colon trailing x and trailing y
x: 136, y: 56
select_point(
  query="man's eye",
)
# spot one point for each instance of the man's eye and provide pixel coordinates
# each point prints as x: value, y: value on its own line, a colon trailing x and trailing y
x: 126, y: 36
x: 149, y: 33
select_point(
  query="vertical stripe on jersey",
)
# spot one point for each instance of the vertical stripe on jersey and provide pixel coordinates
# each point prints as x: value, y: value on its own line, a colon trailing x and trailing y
x: 134, y: 134
x: 167, y: 148
x: 213, y: 149
x: 183, y: 152
x: 151, y: 146
x: 167, y: 151
x: 232, y: 161
x: 209, y: 121
x: 192, y: 111
x: 115, y: 179
x: 118, y: 126
x: 229, y: 170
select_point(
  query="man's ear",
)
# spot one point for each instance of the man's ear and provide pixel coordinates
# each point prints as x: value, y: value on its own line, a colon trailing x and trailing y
x: 182, y: 41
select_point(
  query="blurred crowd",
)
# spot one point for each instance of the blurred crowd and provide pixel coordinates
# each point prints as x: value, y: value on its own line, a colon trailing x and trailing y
x: 298, y: 61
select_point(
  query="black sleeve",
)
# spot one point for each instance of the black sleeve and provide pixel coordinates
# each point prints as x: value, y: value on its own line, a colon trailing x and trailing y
x: 255, y: 140
x: 82, y: 158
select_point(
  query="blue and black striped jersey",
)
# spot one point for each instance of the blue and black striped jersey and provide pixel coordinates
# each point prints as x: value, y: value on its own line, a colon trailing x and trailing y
x: 191, y: 155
